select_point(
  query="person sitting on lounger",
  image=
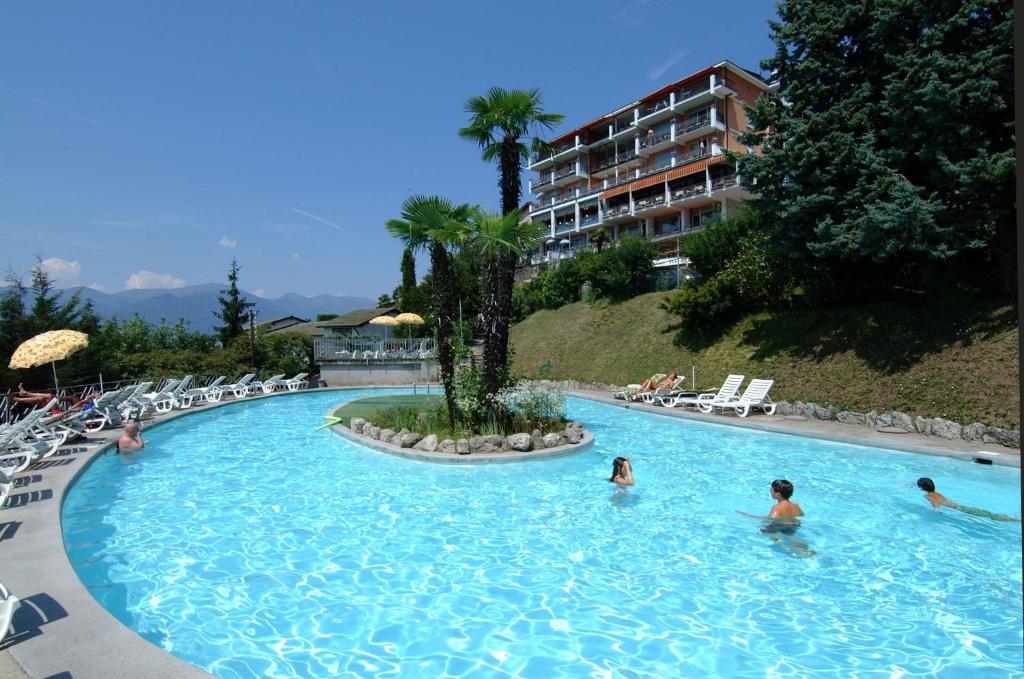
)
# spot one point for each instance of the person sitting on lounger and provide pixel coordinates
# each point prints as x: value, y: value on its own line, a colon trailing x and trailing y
x: 622, y: 472
x: 938, y: 501
x: 650, y: 385
x: 130, y: 440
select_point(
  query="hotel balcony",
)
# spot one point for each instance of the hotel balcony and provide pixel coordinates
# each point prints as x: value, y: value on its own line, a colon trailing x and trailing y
x: 590, y: 219
x: 617, y: 212
x: 542, y: 183
x: 693, y: 95
x: 651, y: 144
x: 724, y: 183
x: 649, y: 203
x: 696, y: 125
x: 558, y: 152
x: 624, y: 159
x: 661, y: 166
x: 572, y: 172
x: 654, y: 111
x: 685, y: 193
x: 565, y: 227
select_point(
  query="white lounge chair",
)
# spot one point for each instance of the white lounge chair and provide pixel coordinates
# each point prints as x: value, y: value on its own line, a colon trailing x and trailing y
x: 630, y: 392
x: 8, y: 604
x: 703, y: 402
x: 210, y: 392
x: 133, y: 403
x: 6, y: 484
x: 265, y: 386
x: 672, y: 390
x: 240, y: 388
x: 754, y: 396
x: 297, y: 382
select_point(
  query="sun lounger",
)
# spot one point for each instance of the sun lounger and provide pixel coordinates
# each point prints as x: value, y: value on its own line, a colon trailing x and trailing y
x: 631, y: 390
x: 266, y: 386
x: 297, y: 382
x: 240, y: 388
x: 133, y: 403
x: 210, y: 392
x: 8, y: 604
x: 703, y: 402
x: 754, y: 396
x: 652, y: 397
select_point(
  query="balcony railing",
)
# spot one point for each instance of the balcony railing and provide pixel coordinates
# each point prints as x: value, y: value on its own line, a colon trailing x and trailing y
x: 543, y: 180
x: 697, y: 121
x: 615, y: 160
x: 621, y: 179
x: 650, y: 201
x: 565, y: 171
x: 725, y: 182
x: 589, y: 219
x: 617, y: 210
x: 668, y: 229
x: 565, y: 226
x: 660, y: 105
x: 622, y: 126
x: 652, y: 139
x: 694, y: 155
x: 657, y: 167
x: 685, y: 192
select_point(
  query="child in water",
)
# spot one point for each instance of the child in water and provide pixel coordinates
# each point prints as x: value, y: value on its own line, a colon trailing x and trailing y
x: 938, y: 500
x: 783, y: 518
x: 622, y: 472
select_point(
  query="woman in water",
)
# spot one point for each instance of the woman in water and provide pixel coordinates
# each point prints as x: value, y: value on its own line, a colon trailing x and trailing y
x: 622, y: 472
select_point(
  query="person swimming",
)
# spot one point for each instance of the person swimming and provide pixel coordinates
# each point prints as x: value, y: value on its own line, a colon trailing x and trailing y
x: 622, y: 472
x: 938, y: 501
x: 783, y: 519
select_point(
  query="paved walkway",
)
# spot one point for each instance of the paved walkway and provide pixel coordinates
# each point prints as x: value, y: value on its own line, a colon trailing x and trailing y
x: 832, y: 431
x: 61, y: 631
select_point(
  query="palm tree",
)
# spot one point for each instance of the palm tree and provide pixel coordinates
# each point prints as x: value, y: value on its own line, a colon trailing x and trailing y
x: 498, y: 238
x: 501, y: 123
x: 599, y: 238
x: 436, y: 225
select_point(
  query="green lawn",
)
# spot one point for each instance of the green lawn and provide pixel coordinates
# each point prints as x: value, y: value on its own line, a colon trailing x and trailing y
x: 366, y: 407
x: 935, y: 358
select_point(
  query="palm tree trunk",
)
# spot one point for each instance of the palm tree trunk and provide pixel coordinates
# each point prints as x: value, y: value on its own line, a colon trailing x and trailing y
x: 440, y: 266
x: 497, y: 307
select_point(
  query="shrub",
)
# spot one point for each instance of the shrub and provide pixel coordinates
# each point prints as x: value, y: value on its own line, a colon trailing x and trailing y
x: 531, y: 407
x: 621, y: 272
x: 713, y: 247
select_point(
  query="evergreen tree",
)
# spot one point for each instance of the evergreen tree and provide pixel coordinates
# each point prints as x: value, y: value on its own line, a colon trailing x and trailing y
x: 12, y: 315
x: 407, y: 299
x: 888, y: 152
x: 233, y: 308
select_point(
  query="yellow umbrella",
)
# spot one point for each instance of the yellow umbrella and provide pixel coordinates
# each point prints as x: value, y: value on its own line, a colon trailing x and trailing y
x: 49, y: 347
x: 409, y: 319
x: 385, y: 321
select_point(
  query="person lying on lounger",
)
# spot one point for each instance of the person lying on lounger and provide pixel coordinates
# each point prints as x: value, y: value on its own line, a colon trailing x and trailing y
x: 650, y: 385
x: 938, y: 500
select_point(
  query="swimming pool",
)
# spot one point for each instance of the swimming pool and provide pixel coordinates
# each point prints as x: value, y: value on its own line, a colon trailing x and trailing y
x: 249, y: 545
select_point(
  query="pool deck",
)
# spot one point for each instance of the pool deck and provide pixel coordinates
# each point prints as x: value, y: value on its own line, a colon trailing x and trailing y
x: 61, y: 631
x: 830, y: 431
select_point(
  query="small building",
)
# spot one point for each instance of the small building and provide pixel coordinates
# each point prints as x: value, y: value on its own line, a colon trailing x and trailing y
x: 278, y: 324
x: 357, y: 323
x: 309, y: 329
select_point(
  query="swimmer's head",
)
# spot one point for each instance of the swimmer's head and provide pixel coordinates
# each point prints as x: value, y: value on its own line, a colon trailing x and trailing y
x: 131, y: 428
x: 783, y: 488
x: 926, y: 484
x: 618, y: 465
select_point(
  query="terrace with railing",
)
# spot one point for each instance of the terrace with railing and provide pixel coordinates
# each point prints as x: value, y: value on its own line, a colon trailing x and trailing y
x: 724, y: 182
x: 369, y: 349
x: 612, y: 161
x: 653, y: 139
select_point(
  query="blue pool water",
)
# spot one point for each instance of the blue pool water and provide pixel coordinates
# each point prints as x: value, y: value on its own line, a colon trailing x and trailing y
x: 249, y: 545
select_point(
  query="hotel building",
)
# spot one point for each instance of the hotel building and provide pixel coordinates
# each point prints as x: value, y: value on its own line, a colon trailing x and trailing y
x: 654, y: 168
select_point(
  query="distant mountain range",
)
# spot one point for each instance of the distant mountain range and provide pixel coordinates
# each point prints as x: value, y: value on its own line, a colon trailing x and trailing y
x: 197, y: 303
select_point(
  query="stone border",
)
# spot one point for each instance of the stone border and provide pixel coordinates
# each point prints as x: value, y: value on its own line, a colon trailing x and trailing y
x: 454, y: 458
x: 70, y: 633
x: 826, y: 430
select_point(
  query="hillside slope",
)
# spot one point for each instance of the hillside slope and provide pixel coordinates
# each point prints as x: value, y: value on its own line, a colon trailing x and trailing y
x: 958, y: 362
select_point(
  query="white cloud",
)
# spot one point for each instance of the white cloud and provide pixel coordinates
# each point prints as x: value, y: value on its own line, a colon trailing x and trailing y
x: 228, y: 243
x: 150, y: 280
x: 295, y: 255
x: 258, y: 292
x: 60, y: 270
x: 671, y: 61
x: 96, y: 286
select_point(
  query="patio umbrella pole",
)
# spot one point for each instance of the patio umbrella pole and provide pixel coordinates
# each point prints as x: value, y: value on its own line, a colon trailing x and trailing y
x: 56, y: 387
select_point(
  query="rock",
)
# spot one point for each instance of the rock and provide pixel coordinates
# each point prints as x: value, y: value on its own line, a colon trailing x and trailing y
x: 491, y: 443
x: 386, y: 435
x: 903, y: 421
x: 1003, y: 437
x: 923, y: 425
x: 447, y: 446
x: 821, y: 412
x: 574, y: 436
x: 885, y: 420
x: 520, y: 442
x: 973, y: 432
x: 356, y: 425
x: 410, y: 439
x: 371, y: 431
x: 401, y: 433
x: 462, y: 447
x: 872, y: 419
x: 552, y: 440
x: 428, y: 443
x: 538, y: 439
x: 785, y: 408
x: 850, y: 417
x: 574, y: 425
x: 946, y: 429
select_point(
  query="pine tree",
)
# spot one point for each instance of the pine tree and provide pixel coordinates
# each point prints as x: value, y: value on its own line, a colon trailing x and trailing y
x: 233, y: 308
x: 888, y: 153
x: 12, y: 315
x: 407, y: 298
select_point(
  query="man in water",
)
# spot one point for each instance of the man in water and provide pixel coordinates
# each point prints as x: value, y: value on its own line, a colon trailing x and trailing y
x: 130, y: 440
x: 938, y: 500
x: 783, y: 519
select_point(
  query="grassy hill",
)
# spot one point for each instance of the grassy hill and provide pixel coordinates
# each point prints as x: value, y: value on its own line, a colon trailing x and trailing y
x: 936, y: 359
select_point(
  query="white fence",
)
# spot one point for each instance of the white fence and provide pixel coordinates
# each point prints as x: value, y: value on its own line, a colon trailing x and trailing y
x: 373, y: 349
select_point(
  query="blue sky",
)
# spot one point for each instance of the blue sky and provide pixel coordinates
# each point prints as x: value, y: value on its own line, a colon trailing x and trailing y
x: 145, y: 144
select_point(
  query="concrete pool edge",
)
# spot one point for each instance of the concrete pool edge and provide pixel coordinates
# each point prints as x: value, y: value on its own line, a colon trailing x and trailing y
x: 72, y: 633
x: 827, y: 431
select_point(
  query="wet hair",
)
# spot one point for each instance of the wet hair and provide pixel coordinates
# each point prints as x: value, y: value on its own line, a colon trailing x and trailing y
x: 617, y: 466
x: 783, y: 488
x: 926, y: 484
x: 131, y: 425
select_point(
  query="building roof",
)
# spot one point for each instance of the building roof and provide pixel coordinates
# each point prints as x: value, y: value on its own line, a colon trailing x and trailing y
x: 282, y: 318
x: 354, y: 319
x: 742, y: 72
x: 309, y: 328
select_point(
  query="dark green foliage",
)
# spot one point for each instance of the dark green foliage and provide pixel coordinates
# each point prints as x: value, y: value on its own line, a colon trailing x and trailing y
x: 326, y: 317
x: 713, y: 247
x: 233, y: 308
x: 893, y: 158
x: 616, y: 273
x: 408, y: 298
x: 385, y: 301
